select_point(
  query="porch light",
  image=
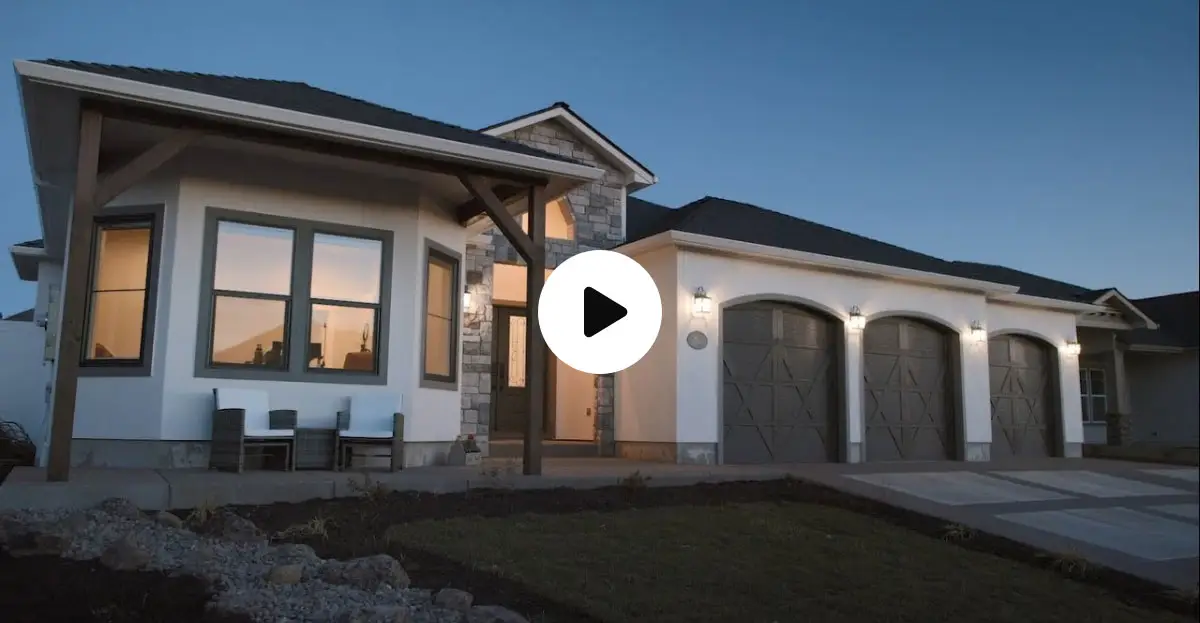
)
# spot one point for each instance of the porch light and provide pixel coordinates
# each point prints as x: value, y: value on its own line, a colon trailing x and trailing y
x: 1073, y: 348
x: 466, y: 300
x: 701, y: 303
x: 978, y: 333
x: 858, y: 321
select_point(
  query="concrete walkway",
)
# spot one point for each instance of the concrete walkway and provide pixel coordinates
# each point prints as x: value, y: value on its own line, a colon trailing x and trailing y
x: 1138, y: 518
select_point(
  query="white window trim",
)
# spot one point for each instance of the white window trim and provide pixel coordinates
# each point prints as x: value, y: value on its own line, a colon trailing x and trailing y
x: 1085, y: 391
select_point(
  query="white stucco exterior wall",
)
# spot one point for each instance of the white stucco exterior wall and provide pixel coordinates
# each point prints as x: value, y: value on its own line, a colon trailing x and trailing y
x: 644, y: 410
x: 432, y: 415
x: 647, y: 392
x: 113, y: 407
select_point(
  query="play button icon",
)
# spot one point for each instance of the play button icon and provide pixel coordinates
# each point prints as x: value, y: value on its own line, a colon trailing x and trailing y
x: 599, y: 312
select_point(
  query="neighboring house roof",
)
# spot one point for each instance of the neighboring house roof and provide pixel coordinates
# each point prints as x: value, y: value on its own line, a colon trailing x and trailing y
x: 1178, y: 318
x: 25, y: 258
x: 304, y: 98
x: 33, y: 244
x: 734, y: 220
x: 562, y: 112
x: 21, y: 316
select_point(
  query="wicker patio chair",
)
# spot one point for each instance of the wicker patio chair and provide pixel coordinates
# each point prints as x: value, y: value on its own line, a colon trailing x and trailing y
x: 242, y: 418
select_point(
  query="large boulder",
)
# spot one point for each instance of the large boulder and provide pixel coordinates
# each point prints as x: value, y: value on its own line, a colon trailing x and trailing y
x: 369, y: 573
x: 454, y: 599
x: 125, y: 555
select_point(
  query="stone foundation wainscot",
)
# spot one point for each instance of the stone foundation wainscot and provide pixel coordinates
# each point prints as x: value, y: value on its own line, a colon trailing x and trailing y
x: 247, y: 574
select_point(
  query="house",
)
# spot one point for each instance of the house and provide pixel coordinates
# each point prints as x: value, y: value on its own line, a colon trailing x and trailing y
x: 269, y: 234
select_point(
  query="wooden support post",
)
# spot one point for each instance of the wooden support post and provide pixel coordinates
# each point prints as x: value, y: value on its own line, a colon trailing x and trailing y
x: 146, y: 163
x: 77, y: 269
x: 535, y: 348
x: 508, y: 225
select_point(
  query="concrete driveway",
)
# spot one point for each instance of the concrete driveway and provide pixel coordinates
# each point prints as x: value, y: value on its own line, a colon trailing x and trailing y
x: 1138, y: 518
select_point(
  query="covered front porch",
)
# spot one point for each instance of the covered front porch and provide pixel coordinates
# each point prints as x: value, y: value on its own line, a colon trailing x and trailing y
x: 99, y: 141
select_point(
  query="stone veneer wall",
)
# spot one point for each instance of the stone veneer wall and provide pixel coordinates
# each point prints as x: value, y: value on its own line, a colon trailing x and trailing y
x: 597, y: 211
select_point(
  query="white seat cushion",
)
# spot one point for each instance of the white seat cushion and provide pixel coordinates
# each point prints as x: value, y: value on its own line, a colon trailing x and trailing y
x: 257, y: 405
x: 371, y: 415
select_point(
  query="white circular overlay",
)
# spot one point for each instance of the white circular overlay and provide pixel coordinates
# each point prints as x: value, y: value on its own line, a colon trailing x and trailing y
x: 561, y: 312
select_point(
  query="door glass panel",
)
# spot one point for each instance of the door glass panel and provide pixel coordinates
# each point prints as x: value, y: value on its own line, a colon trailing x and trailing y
x: 516, y: 351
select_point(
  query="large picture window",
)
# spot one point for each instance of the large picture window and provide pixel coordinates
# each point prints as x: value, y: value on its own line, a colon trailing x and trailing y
x: 442, y: 296
x: 275, y: 282
x: 120, y: 309
x: 1093, y: 394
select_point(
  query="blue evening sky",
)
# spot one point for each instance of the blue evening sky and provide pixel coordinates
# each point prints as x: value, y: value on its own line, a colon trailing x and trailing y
x: 1053, y: 136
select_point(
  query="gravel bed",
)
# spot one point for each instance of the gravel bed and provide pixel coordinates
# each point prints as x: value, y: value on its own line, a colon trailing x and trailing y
x: 247, y: 574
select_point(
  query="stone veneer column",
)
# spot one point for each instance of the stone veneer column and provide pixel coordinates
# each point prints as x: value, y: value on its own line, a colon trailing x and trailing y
x: 597, y: 211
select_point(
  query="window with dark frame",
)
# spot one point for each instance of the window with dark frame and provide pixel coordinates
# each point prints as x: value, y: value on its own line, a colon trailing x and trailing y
x: 251, y: 296
x: 441, y: 306
x: 119, y: 296
x: 293, y: 300
x: 344, y: 303
x: 1093, y: 394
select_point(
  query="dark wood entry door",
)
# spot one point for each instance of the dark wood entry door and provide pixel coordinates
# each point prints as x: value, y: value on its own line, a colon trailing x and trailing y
x: 509, y: 388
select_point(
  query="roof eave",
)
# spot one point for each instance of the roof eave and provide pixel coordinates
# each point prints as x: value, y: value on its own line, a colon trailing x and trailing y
x: 298, y: 122
x: 1128, y: 304
x: 25, y: 261
x: 1030, y: 300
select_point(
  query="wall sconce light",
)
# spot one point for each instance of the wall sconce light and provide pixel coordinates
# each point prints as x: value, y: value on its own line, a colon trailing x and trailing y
x: 858, y: 321
x: 466, y: 300
x: 978, y: 333
x: 1073, y: 348
x: 701, y: 303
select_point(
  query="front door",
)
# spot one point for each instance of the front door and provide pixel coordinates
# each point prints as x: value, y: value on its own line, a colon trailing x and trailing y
x: 511, y: 395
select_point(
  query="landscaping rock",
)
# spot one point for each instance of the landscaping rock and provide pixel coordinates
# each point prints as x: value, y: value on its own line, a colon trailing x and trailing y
x: 377, y: 614
x: 125, y: 555
x: 454, y: 599
x: 369, y: 573
x: 285, y: 574
x: 232, y: 527
x: 120, y: 507
x: 494, y: 614
x: 169, y: 520
x: 247, y: 575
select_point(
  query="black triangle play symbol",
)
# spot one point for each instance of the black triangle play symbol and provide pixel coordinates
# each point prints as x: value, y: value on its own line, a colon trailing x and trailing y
x: 599, y: 312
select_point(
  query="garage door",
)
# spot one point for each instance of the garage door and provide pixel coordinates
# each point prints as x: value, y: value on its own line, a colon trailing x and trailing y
x: 1023, y: 409
x: 909, y: 413
x: 780, y: 391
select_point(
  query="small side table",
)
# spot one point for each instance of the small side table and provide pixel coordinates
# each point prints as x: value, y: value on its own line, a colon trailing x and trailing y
x: 314, y: 448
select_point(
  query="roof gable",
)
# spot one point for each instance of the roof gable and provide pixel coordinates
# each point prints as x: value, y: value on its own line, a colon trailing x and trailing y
x: 562, y: 112
x: 304, y: 98
x: 1178, y: 318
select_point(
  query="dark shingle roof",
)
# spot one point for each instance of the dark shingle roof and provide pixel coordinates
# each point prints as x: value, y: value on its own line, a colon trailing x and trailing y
x: 304, y: 98
x: 642, y: 217
x: 1178, y: 318
x: 722, y: 218
x: 33, y: 244
x: 1031, y: 284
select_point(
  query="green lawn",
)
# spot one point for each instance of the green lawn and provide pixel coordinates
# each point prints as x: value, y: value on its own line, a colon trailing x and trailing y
x: 760, y: 563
